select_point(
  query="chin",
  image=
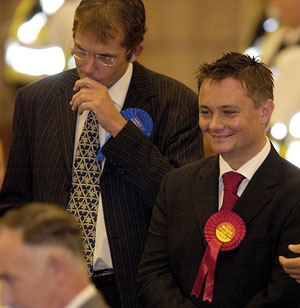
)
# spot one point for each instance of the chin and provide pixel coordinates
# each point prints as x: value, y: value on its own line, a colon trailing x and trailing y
x: 219, y: 149
x: 220, y: 146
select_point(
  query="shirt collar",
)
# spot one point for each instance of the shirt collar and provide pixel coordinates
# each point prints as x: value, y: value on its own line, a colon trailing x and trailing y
x: 119, y: 90
x: 250, y: 167
x: 85, y: 295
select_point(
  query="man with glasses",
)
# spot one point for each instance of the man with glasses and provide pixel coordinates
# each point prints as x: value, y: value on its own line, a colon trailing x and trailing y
x: 147, y: 124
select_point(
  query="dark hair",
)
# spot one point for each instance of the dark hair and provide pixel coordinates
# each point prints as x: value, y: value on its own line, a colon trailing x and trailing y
x: 107, y: 18
x: 45, y: 224
x: 255, y: 77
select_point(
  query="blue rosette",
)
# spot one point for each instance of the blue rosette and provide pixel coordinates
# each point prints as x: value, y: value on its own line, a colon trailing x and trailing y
x: 140, y: 118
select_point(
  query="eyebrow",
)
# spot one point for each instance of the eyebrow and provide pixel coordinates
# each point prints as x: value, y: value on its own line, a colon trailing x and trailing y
x: 220, y: 107
x: 77, y: 45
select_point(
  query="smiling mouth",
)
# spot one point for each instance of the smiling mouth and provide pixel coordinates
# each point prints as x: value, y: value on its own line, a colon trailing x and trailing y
x: 221, y: 137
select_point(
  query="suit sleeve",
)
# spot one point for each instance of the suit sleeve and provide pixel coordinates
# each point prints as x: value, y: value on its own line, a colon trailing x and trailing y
x: 19, y: 164
x: 281, y: 290
x: 176, y: 140
x: 157, y: 287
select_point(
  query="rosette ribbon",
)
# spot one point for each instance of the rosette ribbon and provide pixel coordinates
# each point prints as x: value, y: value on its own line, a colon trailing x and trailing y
x: 223, y: 231
x: 139, y: 117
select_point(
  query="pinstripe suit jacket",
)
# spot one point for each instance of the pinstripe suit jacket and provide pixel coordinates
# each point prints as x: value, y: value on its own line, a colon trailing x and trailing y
x: 40, y: 162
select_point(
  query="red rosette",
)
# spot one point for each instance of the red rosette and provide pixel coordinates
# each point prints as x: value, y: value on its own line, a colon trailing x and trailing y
x: 227, y: 227
x: 223, y: 231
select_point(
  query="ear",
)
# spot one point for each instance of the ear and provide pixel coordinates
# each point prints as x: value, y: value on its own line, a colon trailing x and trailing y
x: 58, y: 265
x: 266, y: 111
x: 136, y: 52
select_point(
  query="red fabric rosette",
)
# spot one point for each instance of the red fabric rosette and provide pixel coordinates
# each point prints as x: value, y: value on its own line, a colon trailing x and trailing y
x: 223, y: 231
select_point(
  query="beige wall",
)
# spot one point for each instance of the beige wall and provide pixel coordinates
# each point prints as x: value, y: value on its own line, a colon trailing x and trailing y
x: 181, y: 35
x: 184, y: 33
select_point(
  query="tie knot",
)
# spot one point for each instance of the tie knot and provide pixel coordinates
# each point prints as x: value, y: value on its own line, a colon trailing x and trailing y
x: 232, y: 180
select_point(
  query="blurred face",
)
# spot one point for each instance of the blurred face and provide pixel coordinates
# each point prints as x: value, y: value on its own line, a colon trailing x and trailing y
x: 25, y: 278
x: 90, y: 67
x: 288, y: 11
x: 229, y: 121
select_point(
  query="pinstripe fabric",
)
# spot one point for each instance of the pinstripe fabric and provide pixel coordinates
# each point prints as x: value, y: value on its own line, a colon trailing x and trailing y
x: 40, y: 162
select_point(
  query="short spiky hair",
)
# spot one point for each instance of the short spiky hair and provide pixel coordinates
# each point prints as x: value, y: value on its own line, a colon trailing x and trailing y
x: 255, y: 77
x: 45, y: 224
x: 106, y: 18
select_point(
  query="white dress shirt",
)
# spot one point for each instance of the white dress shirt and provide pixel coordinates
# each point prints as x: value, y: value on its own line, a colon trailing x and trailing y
x: 84, y: 296
x: 247, y: 170
x: 118, y: 92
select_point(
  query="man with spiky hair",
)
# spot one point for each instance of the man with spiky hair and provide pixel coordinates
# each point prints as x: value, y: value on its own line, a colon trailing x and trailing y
x: 220, y: 224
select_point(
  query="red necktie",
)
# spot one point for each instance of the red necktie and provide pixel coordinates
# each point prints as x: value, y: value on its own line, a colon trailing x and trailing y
x: 231, y: 181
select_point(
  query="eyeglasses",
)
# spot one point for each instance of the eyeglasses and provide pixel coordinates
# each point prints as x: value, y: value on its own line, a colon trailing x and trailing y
x: 85, y: 55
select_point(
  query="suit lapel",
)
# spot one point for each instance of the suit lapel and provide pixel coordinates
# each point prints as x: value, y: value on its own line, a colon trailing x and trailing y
x: 256, y: 196
x: 139, y: 93
x: 66, y: 119
x: 205, y: 194
x: 260, y: 189
x: 140, y: 89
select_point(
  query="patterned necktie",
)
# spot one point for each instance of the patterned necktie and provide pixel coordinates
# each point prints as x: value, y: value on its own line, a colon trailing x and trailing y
x: 231, y: 182
x: 84, y: 195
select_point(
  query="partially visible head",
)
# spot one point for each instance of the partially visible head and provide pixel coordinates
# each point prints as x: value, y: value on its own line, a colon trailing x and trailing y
x: 255, y: 77
x: 235, y: 105
x: 41, y: 248
x: 107, y: 19
x: 288, y: 11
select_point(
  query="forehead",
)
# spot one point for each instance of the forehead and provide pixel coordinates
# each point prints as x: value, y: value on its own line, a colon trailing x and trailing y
x: 90, y: 38
x: 16, y: 258
x: 11, y: 246
x: 228, y: 90
x: 227, y: 83
x: 10, y: 238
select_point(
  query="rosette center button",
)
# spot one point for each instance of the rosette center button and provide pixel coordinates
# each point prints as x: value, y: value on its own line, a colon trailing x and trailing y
x: 225, y: 232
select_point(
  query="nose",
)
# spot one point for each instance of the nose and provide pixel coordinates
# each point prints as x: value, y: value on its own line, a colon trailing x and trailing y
x: 216, y: 122
x: 90, y: 65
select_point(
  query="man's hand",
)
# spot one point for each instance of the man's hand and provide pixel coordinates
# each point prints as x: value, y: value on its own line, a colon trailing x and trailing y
x: 292, y: 265
x: 92, y: 95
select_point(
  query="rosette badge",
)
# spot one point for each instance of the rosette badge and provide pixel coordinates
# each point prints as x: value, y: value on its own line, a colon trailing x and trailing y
x: 223, y: 231
x: 227, y: 228
x: 140, y: 118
